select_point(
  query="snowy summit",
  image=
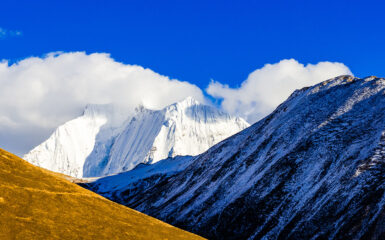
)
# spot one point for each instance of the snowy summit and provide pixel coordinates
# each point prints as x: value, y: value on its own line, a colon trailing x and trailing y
x: 104, y: 141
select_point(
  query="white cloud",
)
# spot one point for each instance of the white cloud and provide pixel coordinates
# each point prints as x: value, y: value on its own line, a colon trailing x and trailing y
x: 267, y: 87
x: 5, y: 33
x: 38, y: 94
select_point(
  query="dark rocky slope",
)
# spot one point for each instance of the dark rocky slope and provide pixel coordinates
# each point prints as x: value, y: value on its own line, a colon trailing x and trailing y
x: 313, y: 169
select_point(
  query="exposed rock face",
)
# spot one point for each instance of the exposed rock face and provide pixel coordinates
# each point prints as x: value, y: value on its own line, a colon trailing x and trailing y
x: 312, y: 169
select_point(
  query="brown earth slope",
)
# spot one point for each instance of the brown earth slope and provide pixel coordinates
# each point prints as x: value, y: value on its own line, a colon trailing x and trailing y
x: 38, y: 204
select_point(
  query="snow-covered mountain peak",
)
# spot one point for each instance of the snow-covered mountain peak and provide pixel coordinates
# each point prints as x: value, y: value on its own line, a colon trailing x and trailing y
x: 107, y: 140
x: 189, y: 101
x: 183, y: 128
x: 182, y: 105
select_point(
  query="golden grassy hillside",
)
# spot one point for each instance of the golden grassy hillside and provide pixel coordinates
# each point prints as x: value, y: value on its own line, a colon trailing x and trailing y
x: 38, y: 204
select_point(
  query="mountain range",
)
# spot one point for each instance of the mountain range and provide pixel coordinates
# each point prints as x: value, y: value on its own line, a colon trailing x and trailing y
x: 312, y: 169
x: 106, y: 140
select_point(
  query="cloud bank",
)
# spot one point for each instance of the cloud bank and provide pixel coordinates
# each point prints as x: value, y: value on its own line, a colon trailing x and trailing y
x: 38, y: 94
x: 267, y: 87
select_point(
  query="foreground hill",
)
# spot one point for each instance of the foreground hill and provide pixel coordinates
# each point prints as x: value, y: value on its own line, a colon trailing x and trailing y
x: 312, y: 169
x: 38, y: 204
x: 104, y: 140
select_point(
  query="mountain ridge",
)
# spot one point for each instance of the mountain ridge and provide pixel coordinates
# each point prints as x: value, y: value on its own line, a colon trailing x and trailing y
x: 311, y: 169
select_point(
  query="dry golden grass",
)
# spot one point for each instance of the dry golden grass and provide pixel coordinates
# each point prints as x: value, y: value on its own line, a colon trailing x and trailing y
x: 38, y: 204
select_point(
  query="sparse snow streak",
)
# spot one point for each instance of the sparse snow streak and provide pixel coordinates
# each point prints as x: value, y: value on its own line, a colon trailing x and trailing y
x: 104, y: 141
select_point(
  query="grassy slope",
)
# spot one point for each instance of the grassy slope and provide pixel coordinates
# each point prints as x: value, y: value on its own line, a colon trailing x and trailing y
x: 38, y: 204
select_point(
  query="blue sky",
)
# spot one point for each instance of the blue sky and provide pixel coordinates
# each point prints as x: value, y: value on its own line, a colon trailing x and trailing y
x: 219, y: 48
x: 197, y: 41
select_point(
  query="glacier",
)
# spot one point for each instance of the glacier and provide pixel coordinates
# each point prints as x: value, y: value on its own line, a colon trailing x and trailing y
x: 105, y: 140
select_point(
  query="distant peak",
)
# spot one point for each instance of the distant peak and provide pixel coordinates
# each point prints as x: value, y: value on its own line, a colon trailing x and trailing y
x: 189, y: 104
x: 189, y: 101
